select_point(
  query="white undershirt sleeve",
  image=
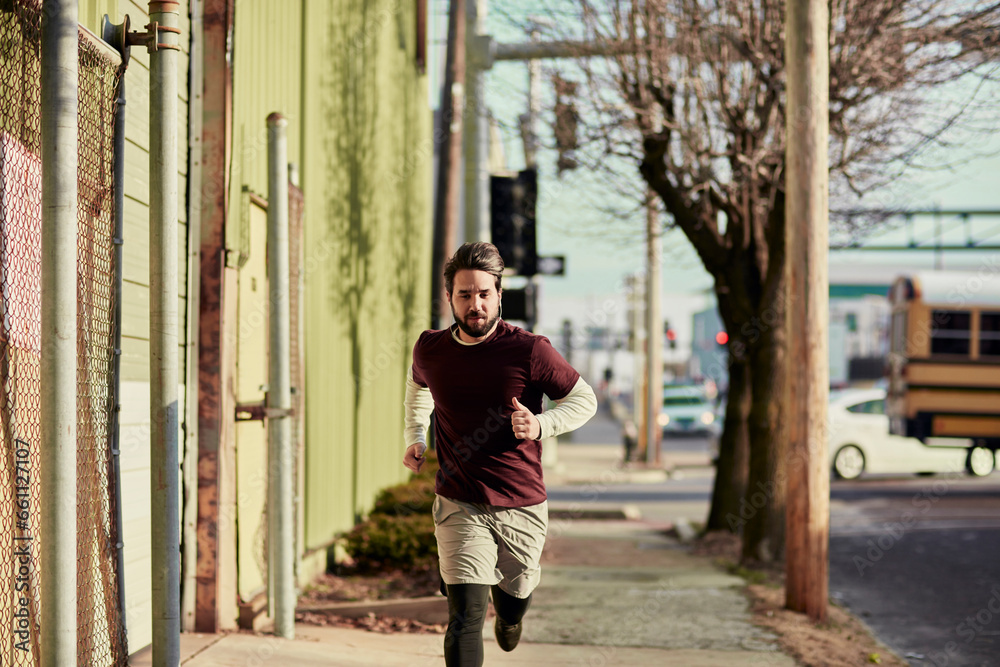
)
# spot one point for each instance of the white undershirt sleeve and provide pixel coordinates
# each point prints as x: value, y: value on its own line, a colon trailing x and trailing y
x: 417, y: 408
x: 571, y: 412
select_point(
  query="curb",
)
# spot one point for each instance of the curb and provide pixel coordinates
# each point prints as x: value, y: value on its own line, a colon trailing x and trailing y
x: 573, y: 511
x: 430, y: 610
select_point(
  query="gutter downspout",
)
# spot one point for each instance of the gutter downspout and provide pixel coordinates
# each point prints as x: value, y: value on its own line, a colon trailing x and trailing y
x: 281, y: 489
x: 59, y: 103
x: 189, y: 536
x: 116, y: 35
x: 163, y: 330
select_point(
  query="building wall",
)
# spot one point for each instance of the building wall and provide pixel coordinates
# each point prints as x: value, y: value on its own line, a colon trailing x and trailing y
x: 366, y: 169
x: 135, y: 415
x: 345, y: 76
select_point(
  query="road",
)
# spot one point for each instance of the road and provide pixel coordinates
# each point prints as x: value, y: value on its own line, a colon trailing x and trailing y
x: 917, y: 558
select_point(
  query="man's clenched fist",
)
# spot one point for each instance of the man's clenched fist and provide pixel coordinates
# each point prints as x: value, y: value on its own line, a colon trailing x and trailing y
x: 414, y: 456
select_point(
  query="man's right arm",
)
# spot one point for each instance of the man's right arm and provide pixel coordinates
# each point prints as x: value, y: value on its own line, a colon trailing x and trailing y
x: 417, y: 408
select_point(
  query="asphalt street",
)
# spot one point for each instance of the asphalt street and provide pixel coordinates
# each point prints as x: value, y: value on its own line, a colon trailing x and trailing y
x: 917, y: 558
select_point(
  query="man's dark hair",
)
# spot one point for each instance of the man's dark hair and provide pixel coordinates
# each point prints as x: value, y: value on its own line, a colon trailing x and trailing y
x: 478, y: 256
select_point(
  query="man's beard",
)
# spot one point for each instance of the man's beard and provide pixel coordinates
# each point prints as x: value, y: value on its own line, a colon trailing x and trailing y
x: 478, y: 331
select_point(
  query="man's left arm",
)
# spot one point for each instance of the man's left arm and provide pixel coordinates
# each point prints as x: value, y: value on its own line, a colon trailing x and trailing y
x: 570, y: 413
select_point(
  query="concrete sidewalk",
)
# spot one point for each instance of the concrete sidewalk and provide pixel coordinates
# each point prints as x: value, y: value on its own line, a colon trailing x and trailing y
x: 616, y: 591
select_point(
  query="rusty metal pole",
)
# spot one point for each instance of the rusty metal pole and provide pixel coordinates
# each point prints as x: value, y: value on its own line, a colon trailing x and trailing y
x: 215, y: 599
x: 164, y: 352
x: 59, y: 72
x: 450, y: 161
x: 806, y: 214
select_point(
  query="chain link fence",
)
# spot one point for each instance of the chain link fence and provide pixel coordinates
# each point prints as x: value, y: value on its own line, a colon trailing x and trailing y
x: 101, y: 629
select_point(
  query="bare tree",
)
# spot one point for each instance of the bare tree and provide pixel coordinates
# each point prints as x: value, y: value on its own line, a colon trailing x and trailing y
x: 697, y: 103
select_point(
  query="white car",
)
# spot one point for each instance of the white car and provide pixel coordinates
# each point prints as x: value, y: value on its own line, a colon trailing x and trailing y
x: 687, y: 409
x: 860, y: 442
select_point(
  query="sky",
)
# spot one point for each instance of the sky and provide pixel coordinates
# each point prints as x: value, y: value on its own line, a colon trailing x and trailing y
x: 601, y: 249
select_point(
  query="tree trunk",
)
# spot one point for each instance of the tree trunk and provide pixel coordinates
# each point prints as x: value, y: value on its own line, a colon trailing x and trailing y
x: 734, y: 453
x: 764, y: 533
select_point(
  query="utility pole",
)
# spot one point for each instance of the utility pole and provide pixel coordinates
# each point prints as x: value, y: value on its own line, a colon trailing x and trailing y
x: 530, y: 132
x: 476, y: 135
x: 639, y: 393
x: 654, y: 331
x: 806, y: 214
x: 448, y: 185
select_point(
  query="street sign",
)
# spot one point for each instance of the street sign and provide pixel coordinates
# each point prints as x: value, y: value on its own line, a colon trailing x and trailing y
x: 554, y: 265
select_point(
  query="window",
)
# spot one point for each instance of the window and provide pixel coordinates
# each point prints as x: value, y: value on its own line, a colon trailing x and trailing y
x: 876, y: 407
x: 950, y: 333
x: 989, y: 335
x: 675, y: 401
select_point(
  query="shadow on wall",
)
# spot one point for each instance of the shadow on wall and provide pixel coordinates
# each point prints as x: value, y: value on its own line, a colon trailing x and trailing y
x: 349, y: 94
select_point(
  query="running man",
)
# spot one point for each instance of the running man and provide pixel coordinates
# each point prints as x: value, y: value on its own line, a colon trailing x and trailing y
x: 485, y: 380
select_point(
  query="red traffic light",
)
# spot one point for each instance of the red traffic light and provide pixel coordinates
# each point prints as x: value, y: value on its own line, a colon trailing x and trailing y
x: 671, y: 334
x: 722, y: 338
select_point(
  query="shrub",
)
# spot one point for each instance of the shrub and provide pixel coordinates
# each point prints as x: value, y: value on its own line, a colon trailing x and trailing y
x: 387, y: 541
x: 414, y: 497
x: 399, y: 532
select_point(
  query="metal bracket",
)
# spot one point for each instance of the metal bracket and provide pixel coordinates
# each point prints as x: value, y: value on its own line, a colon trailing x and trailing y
x: 151, y: 38
x: 117, y: 36
x: 258, y: 411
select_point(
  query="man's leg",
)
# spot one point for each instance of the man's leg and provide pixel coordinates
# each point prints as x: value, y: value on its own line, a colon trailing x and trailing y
x: 468, y: 554
x: 510, y: 610
x: 521, y: 537
x: 463, y: 642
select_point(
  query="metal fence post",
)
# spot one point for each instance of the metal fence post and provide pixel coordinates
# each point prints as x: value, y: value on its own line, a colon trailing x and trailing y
x: 281, y: 490
x: 164, y: 353
x: 59, y: 102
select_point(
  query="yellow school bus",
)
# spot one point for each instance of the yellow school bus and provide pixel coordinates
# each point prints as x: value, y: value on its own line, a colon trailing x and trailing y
x: 944, y: 360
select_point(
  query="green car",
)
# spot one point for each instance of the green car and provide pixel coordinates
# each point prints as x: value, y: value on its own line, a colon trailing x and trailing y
x: 688, y: 409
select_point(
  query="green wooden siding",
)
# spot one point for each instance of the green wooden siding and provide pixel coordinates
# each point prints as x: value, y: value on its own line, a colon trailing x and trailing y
x: 345, y: 77
x: 344, y: 74
x: 366, y: 175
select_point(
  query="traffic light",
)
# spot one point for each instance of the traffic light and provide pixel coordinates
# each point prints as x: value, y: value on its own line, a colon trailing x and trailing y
x: 670, y: 334
x: 518, y: 305
x: 566, y: 121
x: 721, y: 338
x: 512, y: 220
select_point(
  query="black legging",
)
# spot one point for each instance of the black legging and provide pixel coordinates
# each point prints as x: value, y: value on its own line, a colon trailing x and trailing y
x: 509, y: 608
x: 463, y: 642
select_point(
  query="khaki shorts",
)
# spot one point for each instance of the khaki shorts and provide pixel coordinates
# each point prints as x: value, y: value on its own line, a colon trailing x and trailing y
x: 485, y: 544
